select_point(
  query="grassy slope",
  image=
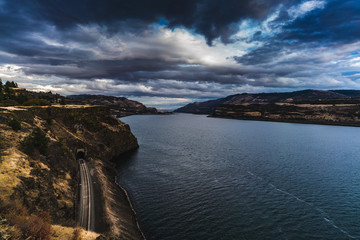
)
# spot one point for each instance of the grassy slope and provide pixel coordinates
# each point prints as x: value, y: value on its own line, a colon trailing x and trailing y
x: 16, y: 167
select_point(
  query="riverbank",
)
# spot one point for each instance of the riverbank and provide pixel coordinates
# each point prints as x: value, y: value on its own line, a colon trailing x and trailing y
x: 119, y: 217
x: 324, y: 114
x: 344, y: 124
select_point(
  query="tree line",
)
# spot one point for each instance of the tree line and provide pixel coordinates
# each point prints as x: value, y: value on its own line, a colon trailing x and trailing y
x: 11, y: 97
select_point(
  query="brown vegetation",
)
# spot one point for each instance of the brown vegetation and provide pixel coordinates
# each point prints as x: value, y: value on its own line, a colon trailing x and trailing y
x: 49, y: 182
x: 25, y: 225
x: 76, y: 234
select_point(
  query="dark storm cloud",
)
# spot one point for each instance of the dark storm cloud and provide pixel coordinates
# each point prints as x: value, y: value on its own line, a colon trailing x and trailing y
x: 211, y: 18
x: 299, y: 46
x: 339, y: 21
x: 113, y: 47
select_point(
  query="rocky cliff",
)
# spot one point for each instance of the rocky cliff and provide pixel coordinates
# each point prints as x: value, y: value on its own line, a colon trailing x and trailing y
x: 47, y: 181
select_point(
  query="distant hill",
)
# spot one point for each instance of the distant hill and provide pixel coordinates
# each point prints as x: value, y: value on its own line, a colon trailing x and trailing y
x: 203, y: 107
x: 349, y: 93
x: 338, y: 107
x: 12, y: 95
x: 119, y: 106
x: 208, y: 107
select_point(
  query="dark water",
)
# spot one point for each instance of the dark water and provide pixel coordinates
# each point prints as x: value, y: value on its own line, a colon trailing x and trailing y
x: 203, y: 178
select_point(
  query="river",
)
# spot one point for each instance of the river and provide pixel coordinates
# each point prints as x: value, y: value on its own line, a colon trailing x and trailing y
x: 195, y: 177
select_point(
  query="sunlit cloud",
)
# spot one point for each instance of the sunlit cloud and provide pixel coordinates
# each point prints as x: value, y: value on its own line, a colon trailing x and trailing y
x: 265, y: 46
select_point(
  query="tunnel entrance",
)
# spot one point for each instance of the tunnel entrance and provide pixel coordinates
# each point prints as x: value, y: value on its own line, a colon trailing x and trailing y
x: 80, y: 154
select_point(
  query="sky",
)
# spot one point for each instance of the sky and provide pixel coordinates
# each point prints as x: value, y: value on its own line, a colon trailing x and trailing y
x: 166, y: 54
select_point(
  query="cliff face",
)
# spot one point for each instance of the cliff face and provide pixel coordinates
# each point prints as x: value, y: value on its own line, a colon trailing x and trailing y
x: 49, y: 182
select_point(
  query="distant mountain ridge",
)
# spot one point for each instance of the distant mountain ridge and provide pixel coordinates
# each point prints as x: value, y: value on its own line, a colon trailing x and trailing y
x: 337, y: 107
x: 208, y: 107
x: 119, y: 106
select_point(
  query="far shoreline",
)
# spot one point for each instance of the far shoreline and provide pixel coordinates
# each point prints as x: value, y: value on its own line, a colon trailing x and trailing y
x: 289, y: 121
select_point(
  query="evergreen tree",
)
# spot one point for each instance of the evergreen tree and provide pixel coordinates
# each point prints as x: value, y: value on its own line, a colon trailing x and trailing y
x: 11, y: 84
x: 1, y: 90
x: 37, y: 140
x: 15, y: 124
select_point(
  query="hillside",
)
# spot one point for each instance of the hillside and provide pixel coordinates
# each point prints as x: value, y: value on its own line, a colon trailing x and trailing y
x: 203, y: 107
x: 39, y: 173
x: 12, y: 95
x: 338, y: 107
x: 208, y: 107
x: 119, y: 106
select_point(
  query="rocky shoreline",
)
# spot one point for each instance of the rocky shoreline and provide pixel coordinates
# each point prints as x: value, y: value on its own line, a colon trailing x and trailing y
x: 119, y: 217
x: 131, y: 206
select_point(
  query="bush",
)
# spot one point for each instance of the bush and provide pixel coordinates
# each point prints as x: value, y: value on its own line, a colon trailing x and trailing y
x: 2, y: 148
x: 31, y: 226
x: 2, y: 144
x: 76, y: 234
x: 21, y: 98
x: 62, y: 101
x: 15, y: 124
x: 37, y: 140
x: 8, y: 103
x: 37, y: 102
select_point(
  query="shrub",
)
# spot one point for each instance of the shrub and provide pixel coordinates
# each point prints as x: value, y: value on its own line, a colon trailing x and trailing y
x: 76, y: 234
x: 2, y: 148
x: 37, y: 140
x: 62, y: 101
x: 15, y: 124
x: 37, y: 102
x: 21, y: 98
x: 31, y: 226
x: 8, y: 102
x: 2, y: 144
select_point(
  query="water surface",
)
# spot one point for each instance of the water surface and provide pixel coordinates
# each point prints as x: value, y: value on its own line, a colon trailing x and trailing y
x: 195, y: 177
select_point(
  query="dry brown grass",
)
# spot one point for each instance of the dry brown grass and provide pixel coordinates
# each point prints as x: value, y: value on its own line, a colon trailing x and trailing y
x: 14, y: 165
x: 67, y: 233
x: 76, y: 234
x: 28, y: 226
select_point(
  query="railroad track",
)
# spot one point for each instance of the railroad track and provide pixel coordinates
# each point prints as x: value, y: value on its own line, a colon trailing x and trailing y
x: 86, y: 220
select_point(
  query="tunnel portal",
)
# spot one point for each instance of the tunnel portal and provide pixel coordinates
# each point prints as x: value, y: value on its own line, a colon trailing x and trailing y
x: 80, y: 153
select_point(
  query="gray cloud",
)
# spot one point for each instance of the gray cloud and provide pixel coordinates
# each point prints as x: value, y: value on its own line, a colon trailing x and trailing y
x: 113, y: 47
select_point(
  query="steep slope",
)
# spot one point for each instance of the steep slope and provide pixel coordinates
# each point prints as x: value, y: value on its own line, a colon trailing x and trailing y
x: 47, y: 181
